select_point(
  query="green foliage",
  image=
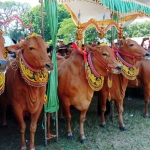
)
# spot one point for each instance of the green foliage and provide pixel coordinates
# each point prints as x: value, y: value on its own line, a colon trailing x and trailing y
x: 35, y: 19
x: 91, y: 34
x: 138, y: 29
x: 67, y: 30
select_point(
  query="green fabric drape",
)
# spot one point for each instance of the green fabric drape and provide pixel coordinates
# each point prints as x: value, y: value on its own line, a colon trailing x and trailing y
x: 114, y: 34
x: 52, y: 104
x: 124, y: 6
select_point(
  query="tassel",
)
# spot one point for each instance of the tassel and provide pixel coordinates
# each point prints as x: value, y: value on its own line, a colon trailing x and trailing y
x: 109, y: 96
x: 136, y: 82
x: 109, y: 82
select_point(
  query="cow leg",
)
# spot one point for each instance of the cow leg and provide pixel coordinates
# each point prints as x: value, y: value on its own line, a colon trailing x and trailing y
x: 66, y: 110
x: 119, y: 105
x: 61, y: 116
x: 33, y: 126
x: 19, y: 115
x: 102, y: 104
x: 4, y: 109
x: 82, y: 119
x: 146, y: 99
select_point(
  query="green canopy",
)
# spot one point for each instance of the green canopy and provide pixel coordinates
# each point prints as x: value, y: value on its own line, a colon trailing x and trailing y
x: 126, y: 6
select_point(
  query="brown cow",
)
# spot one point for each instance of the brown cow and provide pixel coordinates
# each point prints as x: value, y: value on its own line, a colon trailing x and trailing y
x: 130, y: 53
x: 26, y: 79
x: 143, y: 83
x: 73, y: 87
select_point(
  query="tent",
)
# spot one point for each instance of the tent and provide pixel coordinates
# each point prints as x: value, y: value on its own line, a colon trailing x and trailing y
x: 103, y: 14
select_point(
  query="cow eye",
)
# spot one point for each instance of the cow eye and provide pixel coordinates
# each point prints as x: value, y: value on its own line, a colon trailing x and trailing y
x: 131, y: 44
x: 31, y: 48
x: 104, y: 54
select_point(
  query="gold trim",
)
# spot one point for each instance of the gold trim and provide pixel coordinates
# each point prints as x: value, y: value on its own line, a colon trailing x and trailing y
x: 33, y: 78
x: 96, y: 83
x: 33, y: 35
x: 2, y: 82
x: 76, y: 21
x: 129, y: 73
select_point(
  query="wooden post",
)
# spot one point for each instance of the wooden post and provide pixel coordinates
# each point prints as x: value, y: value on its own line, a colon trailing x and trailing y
x: 42, y: 18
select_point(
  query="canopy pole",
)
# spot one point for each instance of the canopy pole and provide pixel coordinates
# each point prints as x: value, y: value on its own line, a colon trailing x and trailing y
x: 42, y: 19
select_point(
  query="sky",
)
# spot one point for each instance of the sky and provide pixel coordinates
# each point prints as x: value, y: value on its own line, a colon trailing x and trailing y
x: 32, y: 3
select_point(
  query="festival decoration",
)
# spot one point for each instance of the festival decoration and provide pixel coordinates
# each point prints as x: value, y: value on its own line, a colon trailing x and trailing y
x: 2, y: 82
x: 129, y: 72
x: 13, y: 17
x: 109, y: 83
x: 33, y: 77
x: 33, y: 35
x: 96, y: 83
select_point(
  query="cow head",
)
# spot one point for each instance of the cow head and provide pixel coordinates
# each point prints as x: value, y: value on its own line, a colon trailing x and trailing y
x: 3, y: 62
x: 131, y: 51
x: 34, y: 52
x: 103, y: 59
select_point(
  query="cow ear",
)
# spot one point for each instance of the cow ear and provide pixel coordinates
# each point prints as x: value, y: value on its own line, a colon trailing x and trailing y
x: 14, y: 48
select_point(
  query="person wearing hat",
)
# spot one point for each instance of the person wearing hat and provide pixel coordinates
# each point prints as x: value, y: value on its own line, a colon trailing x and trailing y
x: 62, y: 50
x: 60, y: 43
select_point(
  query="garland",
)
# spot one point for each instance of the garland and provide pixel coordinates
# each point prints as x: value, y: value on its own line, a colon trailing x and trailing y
x: 38, y: 79
x: 96, y: 83
x: 13, y: 18
x: 2, y: 82
x: 128, y: 72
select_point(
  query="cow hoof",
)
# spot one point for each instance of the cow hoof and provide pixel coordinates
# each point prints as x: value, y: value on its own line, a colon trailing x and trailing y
x: 83, y: 140
x: 123, y: 128
x: 103, y: 126
x: 146, y: 116
x: 70, y: 137
x: 24, y: 148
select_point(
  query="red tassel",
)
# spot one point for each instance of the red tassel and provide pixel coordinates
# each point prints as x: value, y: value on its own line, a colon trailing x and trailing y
x: 75, y: 46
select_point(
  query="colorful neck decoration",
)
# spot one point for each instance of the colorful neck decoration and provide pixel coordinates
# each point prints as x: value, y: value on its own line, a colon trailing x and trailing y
x: 33, y: 77
x: 129, y: 70
x: 95, y: 80
x: 2, y: 82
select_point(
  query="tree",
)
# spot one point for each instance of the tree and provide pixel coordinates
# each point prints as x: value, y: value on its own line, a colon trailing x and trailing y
x: 9, y: 8
x: 34, y: 15
x: 67, y: 30
x: 138, y: 29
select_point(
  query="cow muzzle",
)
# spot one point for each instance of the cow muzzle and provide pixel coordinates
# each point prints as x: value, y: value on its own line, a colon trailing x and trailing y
x: 117, y: 70
x: 147, y: 56
x: 3, y: 65
x: 49, y: 66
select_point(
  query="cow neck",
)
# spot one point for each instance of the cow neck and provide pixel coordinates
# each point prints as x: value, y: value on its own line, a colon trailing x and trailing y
x: 129, y: 70
x: 95, y: 80
x: 33, y: 77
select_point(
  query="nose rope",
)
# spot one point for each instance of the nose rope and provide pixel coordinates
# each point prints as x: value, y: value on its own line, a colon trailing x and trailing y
x: 123, y: 61
x: 105, y: 64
